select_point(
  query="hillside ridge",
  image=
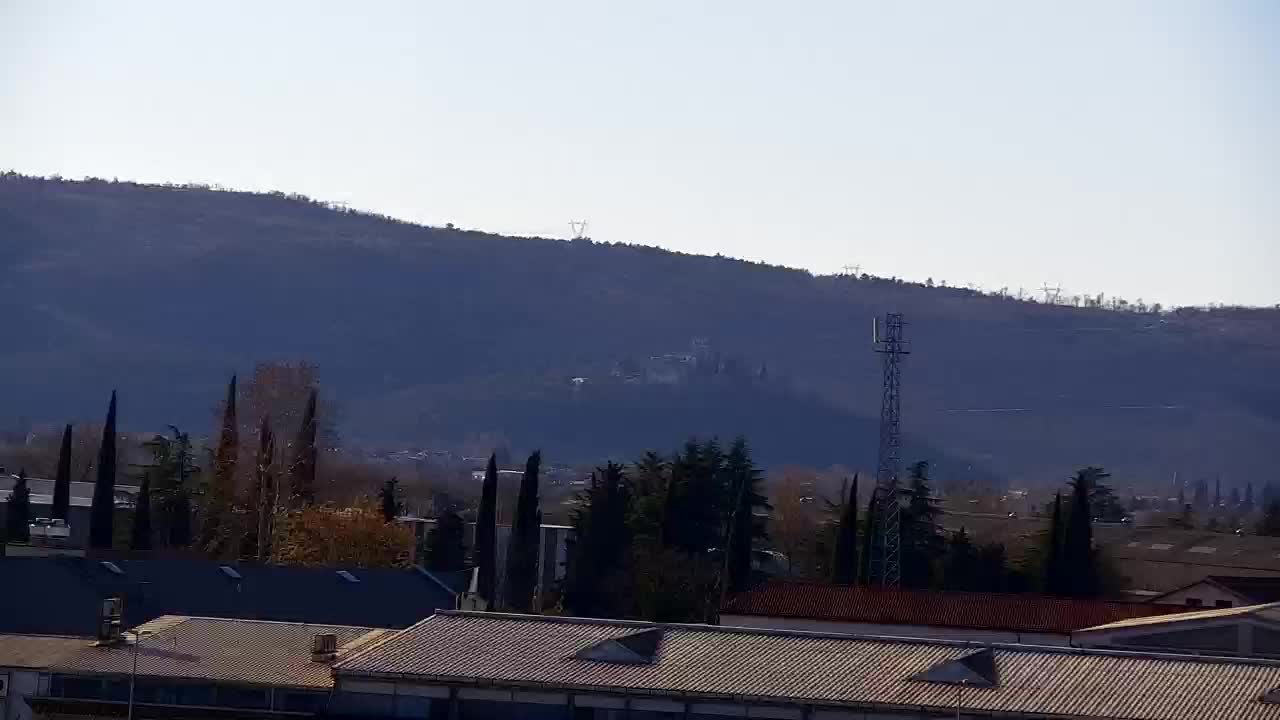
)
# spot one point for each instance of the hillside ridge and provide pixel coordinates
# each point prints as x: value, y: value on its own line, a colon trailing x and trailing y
x: 429, y: 335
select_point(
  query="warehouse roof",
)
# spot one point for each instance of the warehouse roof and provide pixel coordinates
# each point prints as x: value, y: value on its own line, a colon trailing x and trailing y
x: 1250, y: 590
x: 1269, y: 611
x: 987, y: 611
x: 1197, y: 547
x: 221, y: 650
x: 771, y: 666
x: 37, y: 651
x: 66, y: 593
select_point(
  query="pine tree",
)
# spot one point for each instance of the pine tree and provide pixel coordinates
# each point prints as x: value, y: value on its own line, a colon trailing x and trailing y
x: 486, y: 543
x: 216, y: 516
x: 18, y: 511
x: 62, y: 481
x: 389, y: 497
x: 598, y: 546
x: 302, y: 474
x: 1054, y: 581
x: 445, y: 546
x: 922, y: 540
x: 844, y: 568
x: 1270, y: 522
x: 868, y: 538
x: 522, y: 550
x: 102, y: 513
x: 1080, y: 572
x: 744, y: 528
x: 960, y: 565
x: 140, y: 540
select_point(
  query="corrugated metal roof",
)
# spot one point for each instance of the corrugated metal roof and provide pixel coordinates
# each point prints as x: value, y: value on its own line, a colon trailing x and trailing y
x: 37, y: 651
x: 221, y: 650
x: 987, y: 611
x: 810, y: 668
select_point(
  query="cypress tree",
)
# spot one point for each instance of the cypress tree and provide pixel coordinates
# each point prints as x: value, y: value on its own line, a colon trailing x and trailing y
x: 215, y: 524
x: 444, y: 548
x: 1077, y: 547
x: 744, y: 528
x: 389, y: 495
x: 141, y: 537
x: 62, y: 481
x: 598, y: 546
x: 18, y: 511
x: 180, y: 518
x: 262, y: 495
x: 1053, y: 574
x: 868, y: 538
x: 302, y: 475
x: 526, y: 535
x: 102, y: 513
x: 485, y: 558
x: 844, y: 570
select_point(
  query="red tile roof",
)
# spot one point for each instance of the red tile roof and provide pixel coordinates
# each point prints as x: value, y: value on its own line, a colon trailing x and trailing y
x: 986, y: 611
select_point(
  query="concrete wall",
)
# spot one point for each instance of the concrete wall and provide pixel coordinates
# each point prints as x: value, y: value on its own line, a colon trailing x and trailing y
x: 909, y: 631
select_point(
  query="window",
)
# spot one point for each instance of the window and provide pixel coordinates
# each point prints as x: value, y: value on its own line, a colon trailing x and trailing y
x: 301, y: 701
x: 196, y: 695
x: 243, y: 697
x: 1222, y: 603
x: 1194, y: 602
x: 75, y: 687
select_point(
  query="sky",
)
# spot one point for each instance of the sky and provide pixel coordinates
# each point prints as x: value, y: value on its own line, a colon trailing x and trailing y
x: 1131, y: 148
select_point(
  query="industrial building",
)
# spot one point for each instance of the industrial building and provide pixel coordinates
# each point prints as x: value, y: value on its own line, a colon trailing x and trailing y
x: 464, y: 665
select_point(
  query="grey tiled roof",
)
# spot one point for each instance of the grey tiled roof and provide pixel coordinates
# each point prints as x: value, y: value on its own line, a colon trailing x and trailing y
x: 810, y: 668
x: 220, y: 650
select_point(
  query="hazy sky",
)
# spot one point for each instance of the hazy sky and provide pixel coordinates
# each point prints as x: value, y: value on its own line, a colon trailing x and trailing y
x: 1125, y: 147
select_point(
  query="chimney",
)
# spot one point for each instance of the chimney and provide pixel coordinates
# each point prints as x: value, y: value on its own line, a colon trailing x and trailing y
x: 109, y: 627
x: 324, y: 647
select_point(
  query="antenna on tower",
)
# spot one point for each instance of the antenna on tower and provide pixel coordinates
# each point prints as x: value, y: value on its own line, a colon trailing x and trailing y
x: 886, y: 550
x: 578, y: 229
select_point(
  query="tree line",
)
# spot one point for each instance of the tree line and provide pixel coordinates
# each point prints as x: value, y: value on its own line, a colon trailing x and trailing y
x: 267, y: 511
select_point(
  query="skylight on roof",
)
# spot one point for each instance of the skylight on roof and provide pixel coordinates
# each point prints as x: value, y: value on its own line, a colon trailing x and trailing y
x: 977, y: 669
x: 348, y: 576
x: 230, y: 572
x: 635, y: 649
x: 111, y: 567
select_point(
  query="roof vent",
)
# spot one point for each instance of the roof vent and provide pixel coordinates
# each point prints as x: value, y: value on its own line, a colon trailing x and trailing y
x: 348, y: 576
x: 230, y: 572
x: 977, y: 669
x: 324, y: 647
x: 111, y: 567
x: 635, y: 649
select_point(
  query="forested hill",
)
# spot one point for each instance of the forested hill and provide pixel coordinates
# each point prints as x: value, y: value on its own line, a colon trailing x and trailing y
x: 428, y: 336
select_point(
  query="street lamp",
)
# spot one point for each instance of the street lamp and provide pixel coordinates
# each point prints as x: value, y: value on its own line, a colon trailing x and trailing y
x: 133, y: 675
